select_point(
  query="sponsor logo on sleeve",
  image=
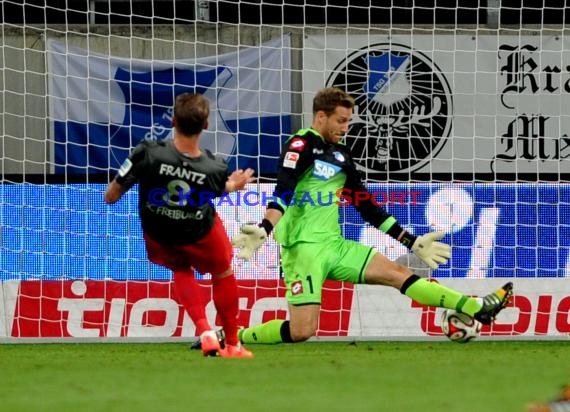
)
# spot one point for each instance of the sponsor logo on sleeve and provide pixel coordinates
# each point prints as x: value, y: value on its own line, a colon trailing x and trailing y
x: 290, y: 160
x: 125, y: 167
x: 297, y: 144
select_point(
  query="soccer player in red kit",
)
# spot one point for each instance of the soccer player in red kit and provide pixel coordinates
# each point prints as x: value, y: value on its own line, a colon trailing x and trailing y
x: 181, y: 228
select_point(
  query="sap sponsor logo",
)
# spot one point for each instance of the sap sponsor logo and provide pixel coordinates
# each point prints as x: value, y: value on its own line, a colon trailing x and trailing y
x: 290, y: 160
x: 297, y: 288
x: 324, y: 170
x: 297, y: 144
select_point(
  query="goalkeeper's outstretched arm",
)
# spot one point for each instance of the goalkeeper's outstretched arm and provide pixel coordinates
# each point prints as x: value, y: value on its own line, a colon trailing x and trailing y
x: 426, y: 247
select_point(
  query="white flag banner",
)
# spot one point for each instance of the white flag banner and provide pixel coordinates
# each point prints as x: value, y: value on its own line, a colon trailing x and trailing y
x: 102, y: 106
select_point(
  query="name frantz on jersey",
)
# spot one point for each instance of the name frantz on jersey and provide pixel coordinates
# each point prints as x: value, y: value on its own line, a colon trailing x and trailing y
x: 182, y: 173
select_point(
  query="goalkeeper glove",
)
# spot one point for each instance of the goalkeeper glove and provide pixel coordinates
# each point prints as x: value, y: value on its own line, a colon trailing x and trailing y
x: 251, y: 238
x: 432, y: 252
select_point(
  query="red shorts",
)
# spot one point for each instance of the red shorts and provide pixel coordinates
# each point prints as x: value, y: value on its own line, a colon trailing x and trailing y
x: 211, y: 254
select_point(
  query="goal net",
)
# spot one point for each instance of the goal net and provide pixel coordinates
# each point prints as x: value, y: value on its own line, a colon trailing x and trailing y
x: 460, y: 125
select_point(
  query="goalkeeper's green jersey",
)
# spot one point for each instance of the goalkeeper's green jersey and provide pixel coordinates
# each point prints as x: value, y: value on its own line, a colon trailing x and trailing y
x: 313, y: 180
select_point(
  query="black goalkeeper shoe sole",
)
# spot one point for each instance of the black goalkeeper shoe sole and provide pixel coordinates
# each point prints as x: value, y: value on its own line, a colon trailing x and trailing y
x: 493, y: 303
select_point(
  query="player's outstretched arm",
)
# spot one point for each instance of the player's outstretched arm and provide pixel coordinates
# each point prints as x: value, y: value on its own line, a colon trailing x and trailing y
x: 114, y: 192
x: 127, y: 175
x: 427, y: 247
x: 238, y: 179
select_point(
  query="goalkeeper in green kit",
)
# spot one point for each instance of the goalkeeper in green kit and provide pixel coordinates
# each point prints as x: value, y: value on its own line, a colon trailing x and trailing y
x: 314, y: 164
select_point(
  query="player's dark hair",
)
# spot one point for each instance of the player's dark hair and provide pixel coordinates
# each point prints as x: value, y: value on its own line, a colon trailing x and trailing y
x: 191, y: 113
x: 329, y: 98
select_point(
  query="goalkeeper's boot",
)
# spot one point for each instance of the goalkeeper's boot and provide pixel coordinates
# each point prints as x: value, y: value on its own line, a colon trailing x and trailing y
x: 493, y: 303
x: 197, y: 345
x: 235, y: 351
x: 210, y: 344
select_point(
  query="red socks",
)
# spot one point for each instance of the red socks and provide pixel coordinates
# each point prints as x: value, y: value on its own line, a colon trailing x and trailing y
x: 226, y: 297
x: 225, y: 294
x: 189, y: 294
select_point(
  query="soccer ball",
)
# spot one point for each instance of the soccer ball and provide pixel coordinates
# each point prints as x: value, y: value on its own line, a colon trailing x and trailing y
x: 459, y: 327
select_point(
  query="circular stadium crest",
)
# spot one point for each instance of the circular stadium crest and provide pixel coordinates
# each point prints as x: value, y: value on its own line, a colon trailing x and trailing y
x: 403, y: 110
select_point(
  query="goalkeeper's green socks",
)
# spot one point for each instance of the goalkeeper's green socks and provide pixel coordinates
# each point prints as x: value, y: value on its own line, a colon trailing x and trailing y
x: 434, y: 294
x: 274, y: 331
x: 416, y: 288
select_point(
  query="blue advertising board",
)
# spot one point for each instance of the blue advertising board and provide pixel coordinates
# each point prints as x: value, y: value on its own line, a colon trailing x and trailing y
x: 495, y: 230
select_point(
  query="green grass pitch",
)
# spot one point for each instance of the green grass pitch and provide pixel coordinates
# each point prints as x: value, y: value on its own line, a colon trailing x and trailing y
x: 437, y: 376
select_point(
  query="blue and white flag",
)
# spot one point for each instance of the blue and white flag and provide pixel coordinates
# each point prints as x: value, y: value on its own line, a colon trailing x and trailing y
x: 102, y: 106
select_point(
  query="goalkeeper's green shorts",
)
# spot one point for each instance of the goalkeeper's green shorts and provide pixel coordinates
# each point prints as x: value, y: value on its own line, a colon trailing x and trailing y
x: 306, y: 266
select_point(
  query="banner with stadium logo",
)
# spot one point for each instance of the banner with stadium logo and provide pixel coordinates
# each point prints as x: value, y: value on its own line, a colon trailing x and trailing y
x: 101, y: 106
x: 449, y: 103
x: 498, y: 230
